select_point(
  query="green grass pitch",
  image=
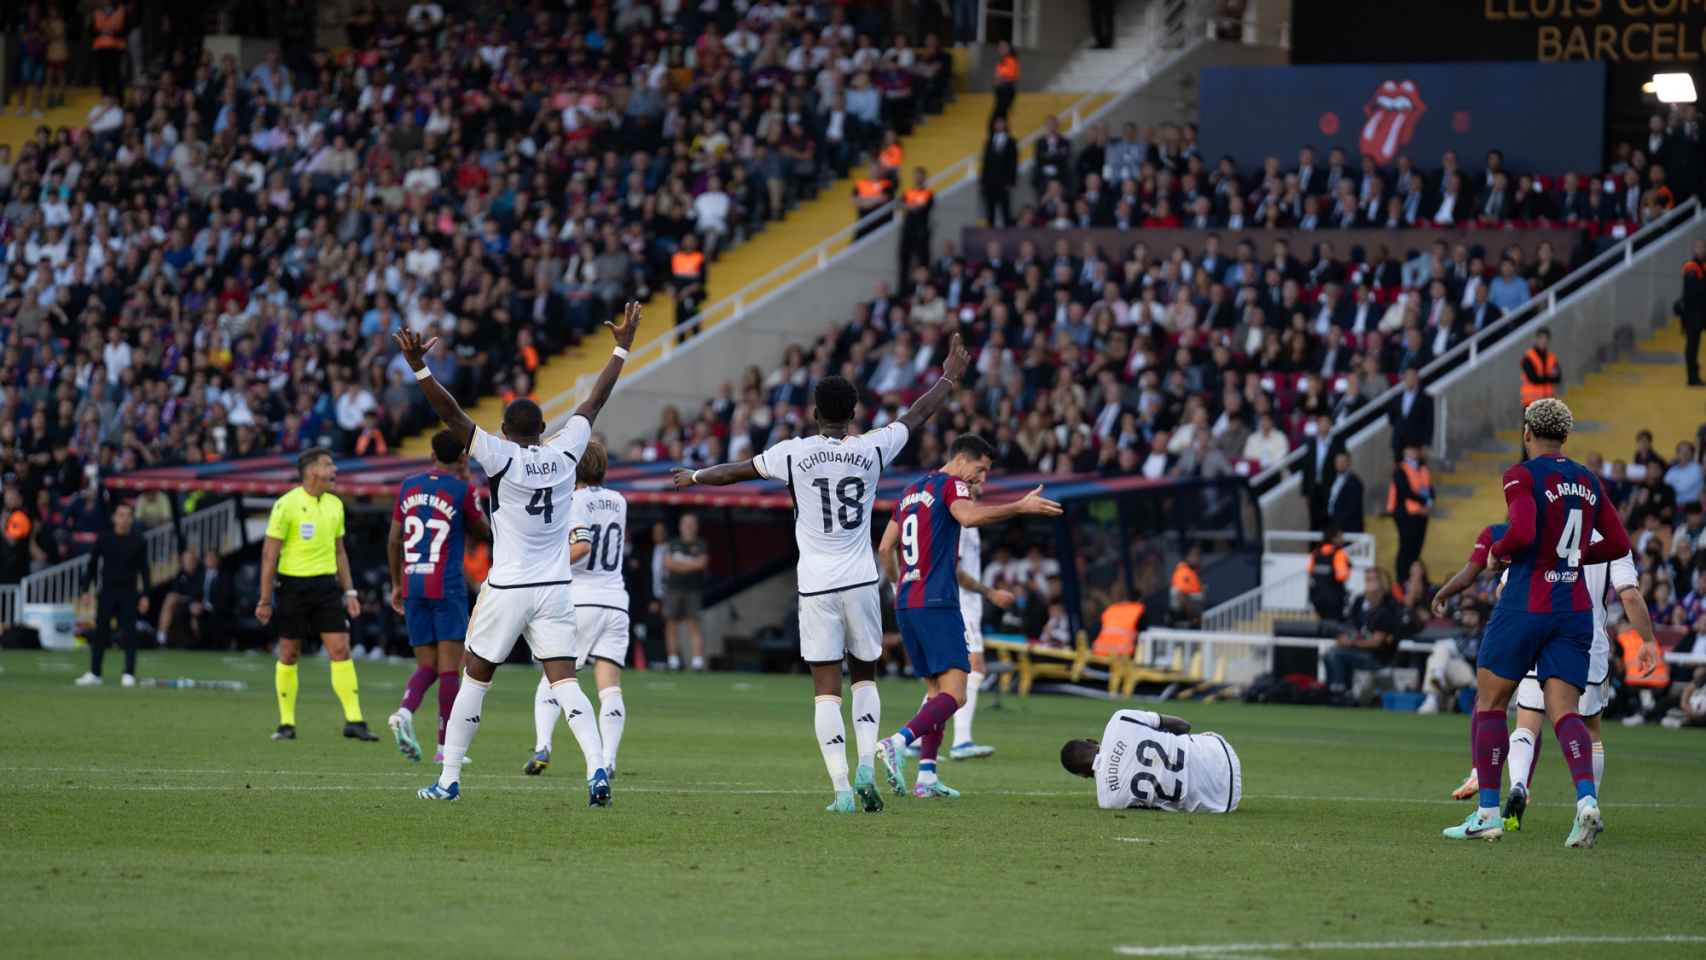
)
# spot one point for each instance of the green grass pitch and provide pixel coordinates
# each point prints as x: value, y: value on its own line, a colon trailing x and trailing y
x: 165, y: 823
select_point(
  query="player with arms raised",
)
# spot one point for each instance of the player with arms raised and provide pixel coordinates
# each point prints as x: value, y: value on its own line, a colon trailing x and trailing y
x: 527, y: 591
x: 1530, y: 699
x: 434, y: 510
x: 598, y: 525
x: 925, y: 532
x: 1544, y: 616
x: 832, y: 478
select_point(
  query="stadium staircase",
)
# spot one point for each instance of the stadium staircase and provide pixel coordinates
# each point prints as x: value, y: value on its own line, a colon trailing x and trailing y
x: 749, y: 270
x: 1640, y: 391
x: 16, y: 130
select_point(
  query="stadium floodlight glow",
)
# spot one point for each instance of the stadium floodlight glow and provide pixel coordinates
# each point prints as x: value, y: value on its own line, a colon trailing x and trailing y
x: 1673, y: 87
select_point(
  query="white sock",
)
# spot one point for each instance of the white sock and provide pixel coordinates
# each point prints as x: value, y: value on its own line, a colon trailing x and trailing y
x: 545, y: 714
x: 674, y: 662
x: 405, y: 712
x: 464, y: 723
x: 1520, y: 760
x: 1598, y: 764
x: 926, y: 772
x: 583, y: 722
x: 698, y: 663
x: 611, y: 716
x: 867, y: 719
x: 963, y: 716
x: 831, y: 739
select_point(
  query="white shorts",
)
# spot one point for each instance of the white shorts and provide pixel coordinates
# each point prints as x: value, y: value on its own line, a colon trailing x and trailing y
x: 1529, y: 696
x: 974, y: 637
x: 543, y: 616
x: 846, y: 623
x: 604, y: 631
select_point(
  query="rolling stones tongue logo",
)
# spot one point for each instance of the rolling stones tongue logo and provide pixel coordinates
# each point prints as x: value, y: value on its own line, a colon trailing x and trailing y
x: 1393, y: 113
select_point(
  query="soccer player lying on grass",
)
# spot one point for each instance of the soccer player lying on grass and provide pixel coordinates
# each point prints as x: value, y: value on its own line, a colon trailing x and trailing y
x: 1153, y: 761
x: 1530, y: 700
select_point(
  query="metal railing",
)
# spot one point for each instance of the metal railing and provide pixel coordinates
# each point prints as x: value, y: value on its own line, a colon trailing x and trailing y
x: 1538, y: 307
x: 960, y: 175
x: 215, y: 528
x: 1248, y: 608
x: 1359, y: 547
x: 8, y: 604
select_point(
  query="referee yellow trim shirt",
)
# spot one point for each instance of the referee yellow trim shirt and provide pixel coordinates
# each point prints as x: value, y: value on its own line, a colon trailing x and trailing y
x: 310, y: 529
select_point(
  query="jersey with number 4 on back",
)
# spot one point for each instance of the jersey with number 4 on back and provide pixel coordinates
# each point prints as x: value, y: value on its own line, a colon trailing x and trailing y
x: 1569, y: 505
x: 532, y: 492
x: 1141, y: 765
x: 833, y: 481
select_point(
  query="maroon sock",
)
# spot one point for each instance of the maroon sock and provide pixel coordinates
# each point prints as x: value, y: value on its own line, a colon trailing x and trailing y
x: 1577, y: 745
x: 416, y: 689
x: 1492, y: 743
x: 448, y: 685
x: 930, y: 744
x: 930, y: 717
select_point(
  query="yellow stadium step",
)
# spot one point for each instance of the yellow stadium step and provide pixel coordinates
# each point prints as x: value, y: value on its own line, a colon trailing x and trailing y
x: 1642, y: 391
x: 16, y: 130
x: 936, y: 144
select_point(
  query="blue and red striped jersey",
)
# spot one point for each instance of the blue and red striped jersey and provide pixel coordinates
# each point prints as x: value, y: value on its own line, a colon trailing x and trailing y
x: 1479, y: 555
x: 433, y: 509
x: 929, y: 543
x: 1555, y: 506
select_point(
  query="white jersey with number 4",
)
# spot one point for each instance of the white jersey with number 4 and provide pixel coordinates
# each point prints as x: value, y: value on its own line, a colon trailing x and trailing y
x: 599, y: 519
x: 833, y: 481
x: 532, y: 496
x: 1141, y: 765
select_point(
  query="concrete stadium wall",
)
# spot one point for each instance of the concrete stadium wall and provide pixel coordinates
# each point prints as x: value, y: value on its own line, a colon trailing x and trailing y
x: 824, y: 300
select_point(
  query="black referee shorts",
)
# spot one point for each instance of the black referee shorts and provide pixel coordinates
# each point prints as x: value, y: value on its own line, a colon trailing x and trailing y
x: 306, y: 607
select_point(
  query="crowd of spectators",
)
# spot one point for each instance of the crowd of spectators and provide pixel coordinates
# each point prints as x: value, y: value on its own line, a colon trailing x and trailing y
x: 212, y: 266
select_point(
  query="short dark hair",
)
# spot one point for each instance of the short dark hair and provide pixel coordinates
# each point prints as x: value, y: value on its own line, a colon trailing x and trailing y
x: 308, y: 458
x: 446, y: 449
x: 523, y: 418
x: 1079, y: 757
x: 590, y: 469
x: 836, y: 399
x: 973, y: 446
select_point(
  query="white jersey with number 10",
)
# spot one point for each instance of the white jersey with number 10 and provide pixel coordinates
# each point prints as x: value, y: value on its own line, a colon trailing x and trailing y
x: 600, y: 520
x: 833, y: 481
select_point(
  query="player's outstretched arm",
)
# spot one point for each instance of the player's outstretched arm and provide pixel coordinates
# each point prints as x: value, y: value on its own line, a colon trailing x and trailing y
x: 606, y: 382
x: 1032, y: 504
x: 720, y: 475
x: 1175, y: 725
x: 1001, y: 598
x: 1635, y: 608
x: 953, y: 368
x: 394, y: 558
x: 414, y: 351
x: 1459, y: 582
x: 886, y: 556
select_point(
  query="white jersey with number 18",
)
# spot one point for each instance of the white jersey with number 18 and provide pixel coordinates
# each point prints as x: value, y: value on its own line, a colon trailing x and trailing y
x: 833, y: 481
x: 532, y: 494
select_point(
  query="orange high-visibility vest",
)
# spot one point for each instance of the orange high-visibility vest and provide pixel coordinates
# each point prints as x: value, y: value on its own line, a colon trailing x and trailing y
x: 1007, y: 71
x: 1185, y: 580
x: 891, y: 156
x: 476, y: 562
x: 1548, y: 367
x: 1658, y: 678
x: 18, y: 526
x: 686, y: 264
x: 870, y: 189
x: 109, y: 30
x: 917, y: 199
x: 1341, y: 562
x: 1119, y: 630
x: 1421, y: 483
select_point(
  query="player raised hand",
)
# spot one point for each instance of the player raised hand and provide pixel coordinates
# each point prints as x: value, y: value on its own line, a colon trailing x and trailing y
x: 414, y: 347
x: 682, y: 476
x: 1002, y: 598
x: 624, y: 330
x: 954, y: 367
x: 1036, y: 504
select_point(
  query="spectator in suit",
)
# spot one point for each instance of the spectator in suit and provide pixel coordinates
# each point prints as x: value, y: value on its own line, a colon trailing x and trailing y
x: 1053, y: 157
x: 1320, y: 461
x: 1310, y: 178
x: 1344, y: 495
x: 999, y: 174
x: 1483, y: 312
x: 1411, y: 414
x: 1572, y: 203
x: 1453, y: 205
x: 1693, y: 310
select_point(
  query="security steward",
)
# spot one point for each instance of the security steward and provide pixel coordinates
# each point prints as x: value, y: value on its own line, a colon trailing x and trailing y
x: 1410, y: 499
x: 305, y: 548
x: 1540, y: 376
x: 871, y: 193
x: 687, y: 281
x: 1006, y: 79
x: 917, y: 204
x: 1329, y: 569
x: 1185, y: 593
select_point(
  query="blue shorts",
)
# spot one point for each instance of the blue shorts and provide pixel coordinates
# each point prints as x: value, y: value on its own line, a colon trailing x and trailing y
x: 31, y: 72
x: 436, y: 621
x: 935, y: 639
x: 1552, y: 644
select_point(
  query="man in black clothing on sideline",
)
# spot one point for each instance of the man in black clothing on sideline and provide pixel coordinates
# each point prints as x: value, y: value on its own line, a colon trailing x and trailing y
x: 120, y: 562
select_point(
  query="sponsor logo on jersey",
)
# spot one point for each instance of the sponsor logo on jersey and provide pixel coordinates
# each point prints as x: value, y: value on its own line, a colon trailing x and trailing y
x: 1567, y: 576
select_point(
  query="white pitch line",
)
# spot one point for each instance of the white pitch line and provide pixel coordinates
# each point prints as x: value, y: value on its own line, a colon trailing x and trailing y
x: 1242, y: 950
